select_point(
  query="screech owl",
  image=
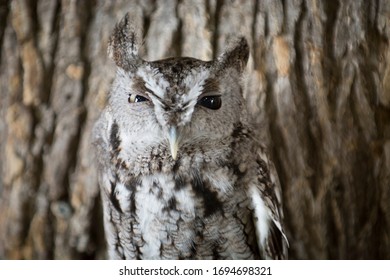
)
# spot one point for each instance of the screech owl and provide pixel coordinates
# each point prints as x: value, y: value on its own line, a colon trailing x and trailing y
x: 181, y: 173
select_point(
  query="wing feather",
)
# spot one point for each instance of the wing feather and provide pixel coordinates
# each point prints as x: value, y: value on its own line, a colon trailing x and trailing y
x: 265, y: 195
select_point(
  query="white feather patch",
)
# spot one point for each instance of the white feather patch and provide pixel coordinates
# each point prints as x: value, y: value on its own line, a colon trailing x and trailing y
x: 122, y: 194
x: 261, y: 216
x: 148, y: 208
x: 195, y: 83
x: 154, y: 81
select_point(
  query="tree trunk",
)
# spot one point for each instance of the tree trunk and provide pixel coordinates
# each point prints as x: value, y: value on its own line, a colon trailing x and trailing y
x: 317, y: 83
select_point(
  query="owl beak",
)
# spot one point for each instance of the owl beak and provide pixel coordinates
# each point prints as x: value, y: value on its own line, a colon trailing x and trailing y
x: 173, y: 141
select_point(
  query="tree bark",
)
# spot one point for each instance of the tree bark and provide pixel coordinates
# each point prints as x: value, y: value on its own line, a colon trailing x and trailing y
x: 317, y: 84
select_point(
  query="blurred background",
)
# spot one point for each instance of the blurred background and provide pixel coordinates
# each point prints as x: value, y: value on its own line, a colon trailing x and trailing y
x: 317, y: 84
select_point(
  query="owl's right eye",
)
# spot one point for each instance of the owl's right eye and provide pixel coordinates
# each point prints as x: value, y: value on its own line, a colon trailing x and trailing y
x: 134, y: 98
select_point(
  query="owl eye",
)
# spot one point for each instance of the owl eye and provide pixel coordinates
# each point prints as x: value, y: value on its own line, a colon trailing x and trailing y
x: 211, y: 102
x: 134, y: 98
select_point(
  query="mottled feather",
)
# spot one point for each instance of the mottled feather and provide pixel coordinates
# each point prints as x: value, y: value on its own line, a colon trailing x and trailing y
x: 181, y: 173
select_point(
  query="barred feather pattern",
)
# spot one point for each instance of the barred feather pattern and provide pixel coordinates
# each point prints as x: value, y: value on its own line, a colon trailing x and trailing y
x: 196, y: 208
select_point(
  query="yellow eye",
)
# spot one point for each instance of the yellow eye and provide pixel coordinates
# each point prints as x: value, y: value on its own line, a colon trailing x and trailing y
x: 134, y: 98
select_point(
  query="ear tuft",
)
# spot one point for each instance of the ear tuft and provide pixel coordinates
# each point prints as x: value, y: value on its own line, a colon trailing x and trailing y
x: 236, y: 55
x: 124, y: 44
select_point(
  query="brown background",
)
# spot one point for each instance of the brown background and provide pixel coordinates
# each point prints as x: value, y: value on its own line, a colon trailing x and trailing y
x: 318, y: 85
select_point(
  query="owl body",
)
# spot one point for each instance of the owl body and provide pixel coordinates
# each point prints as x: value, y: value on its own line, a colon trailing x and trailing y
x: 180, y: 172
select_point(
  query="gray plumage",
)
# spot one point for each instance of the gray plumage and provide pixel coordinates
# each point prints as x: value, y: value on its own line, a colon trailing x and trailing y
x: 180, y: 171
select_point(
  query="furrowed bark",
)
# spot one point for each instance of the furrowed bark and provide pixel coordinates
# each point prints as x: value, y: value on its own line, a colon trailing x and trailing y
x: 317, y: 85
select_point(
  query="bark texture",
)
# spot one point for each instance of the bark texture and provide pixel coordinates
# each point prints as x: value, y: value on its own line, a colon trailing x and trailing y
x: 317, y: 83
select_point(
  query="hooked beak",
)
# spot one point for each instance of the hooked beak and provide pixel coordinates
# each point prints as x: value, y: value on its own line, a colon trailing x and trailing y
x: 173, y: 141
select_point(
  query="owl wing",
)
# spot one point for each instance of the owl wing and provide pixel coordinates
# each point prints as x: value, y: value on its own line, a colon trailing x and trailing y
x: 265, y: 196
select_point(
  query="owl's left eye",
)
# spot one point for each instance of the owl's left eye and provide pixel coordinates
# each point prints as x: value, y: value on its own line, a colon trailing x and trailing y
x: 211, y: 102
x: 134, y: 98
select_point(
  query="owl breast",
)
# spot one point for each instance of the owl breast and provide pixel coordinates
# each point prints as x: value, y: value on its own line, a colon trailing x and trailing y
x: 186, y: 215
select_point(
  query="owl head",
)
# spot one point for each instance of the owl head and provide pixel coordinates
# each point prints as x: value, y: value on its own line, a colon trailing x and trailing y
x: 176, y: 101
